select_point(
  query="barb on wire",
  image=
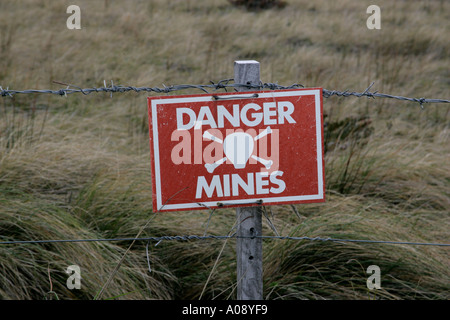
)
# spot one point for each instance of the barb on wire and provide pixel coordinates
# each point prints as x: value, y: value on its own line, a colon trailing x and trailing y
x: 70, y: 88
x: 214, y: 86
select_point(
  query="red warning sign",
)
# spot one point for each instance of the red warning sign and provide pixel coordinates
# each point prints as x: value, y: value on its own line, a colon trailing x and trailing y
x: 236, y: 149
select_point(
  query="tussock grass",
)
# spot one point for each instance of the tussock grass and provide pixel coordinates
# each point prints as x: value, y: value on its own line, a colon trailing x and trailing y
x: 79, y: 167
x: 35, y: 271
x: 314, y: 270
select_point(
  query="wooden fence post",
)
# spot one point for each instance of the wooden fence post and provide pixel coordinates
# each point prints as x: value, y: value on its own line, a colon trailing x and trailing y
x: 249, y: 219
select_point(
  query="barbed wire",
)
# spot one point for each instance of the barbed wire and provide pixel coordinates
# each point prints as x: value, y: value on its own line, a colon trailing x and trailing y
x: 375, y: 94
x: 214, y: 237
x: 214, y: 86
x: 70, y: 89
x: 206, y: 88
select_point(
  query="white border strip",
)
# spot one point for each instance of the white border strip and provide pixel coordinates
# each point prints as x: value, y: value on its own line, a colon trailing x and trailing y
x: 195, y: 205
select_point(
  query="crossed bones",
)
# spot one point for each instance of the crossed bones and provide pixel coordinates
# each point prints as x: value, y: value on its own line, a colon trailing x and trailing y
x: 237, y: 153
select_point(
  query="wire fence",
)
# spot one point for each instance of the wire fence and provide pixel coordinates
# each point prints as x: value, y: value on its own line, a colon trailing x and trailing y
x: 222, y: 84
x: 230, y: 235
x: 214, y: 237
x: 207, y: 88
x: 221, y: 237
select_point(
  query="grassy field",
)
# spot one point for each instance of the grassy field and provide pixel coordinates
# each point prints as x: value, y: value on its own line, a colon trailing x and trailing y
x: 79, y: 166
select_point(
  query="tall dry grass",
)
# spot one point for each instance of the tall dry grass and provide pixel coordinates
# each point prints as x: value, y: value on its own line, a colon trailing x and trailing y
x: 79, y: 167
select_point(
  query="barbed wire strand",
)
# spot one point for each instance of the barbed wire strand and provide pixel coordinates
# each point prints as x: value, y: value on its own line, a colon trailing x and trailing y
x: 214, y: 237
x: 222, y: 84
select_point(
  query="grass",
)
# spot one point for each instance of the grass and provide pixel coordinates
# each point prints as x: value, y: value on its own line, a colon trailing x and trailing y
x: 78, y: 166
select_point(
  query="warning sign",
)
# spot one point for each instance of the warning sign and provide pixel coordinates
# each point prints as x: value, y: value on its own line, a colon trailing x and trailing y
x: 236, y: 149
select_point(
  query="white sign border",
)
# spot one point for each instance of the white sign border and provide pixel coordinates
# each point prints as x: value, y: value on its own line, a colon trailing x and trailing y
x: 207, y: 98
